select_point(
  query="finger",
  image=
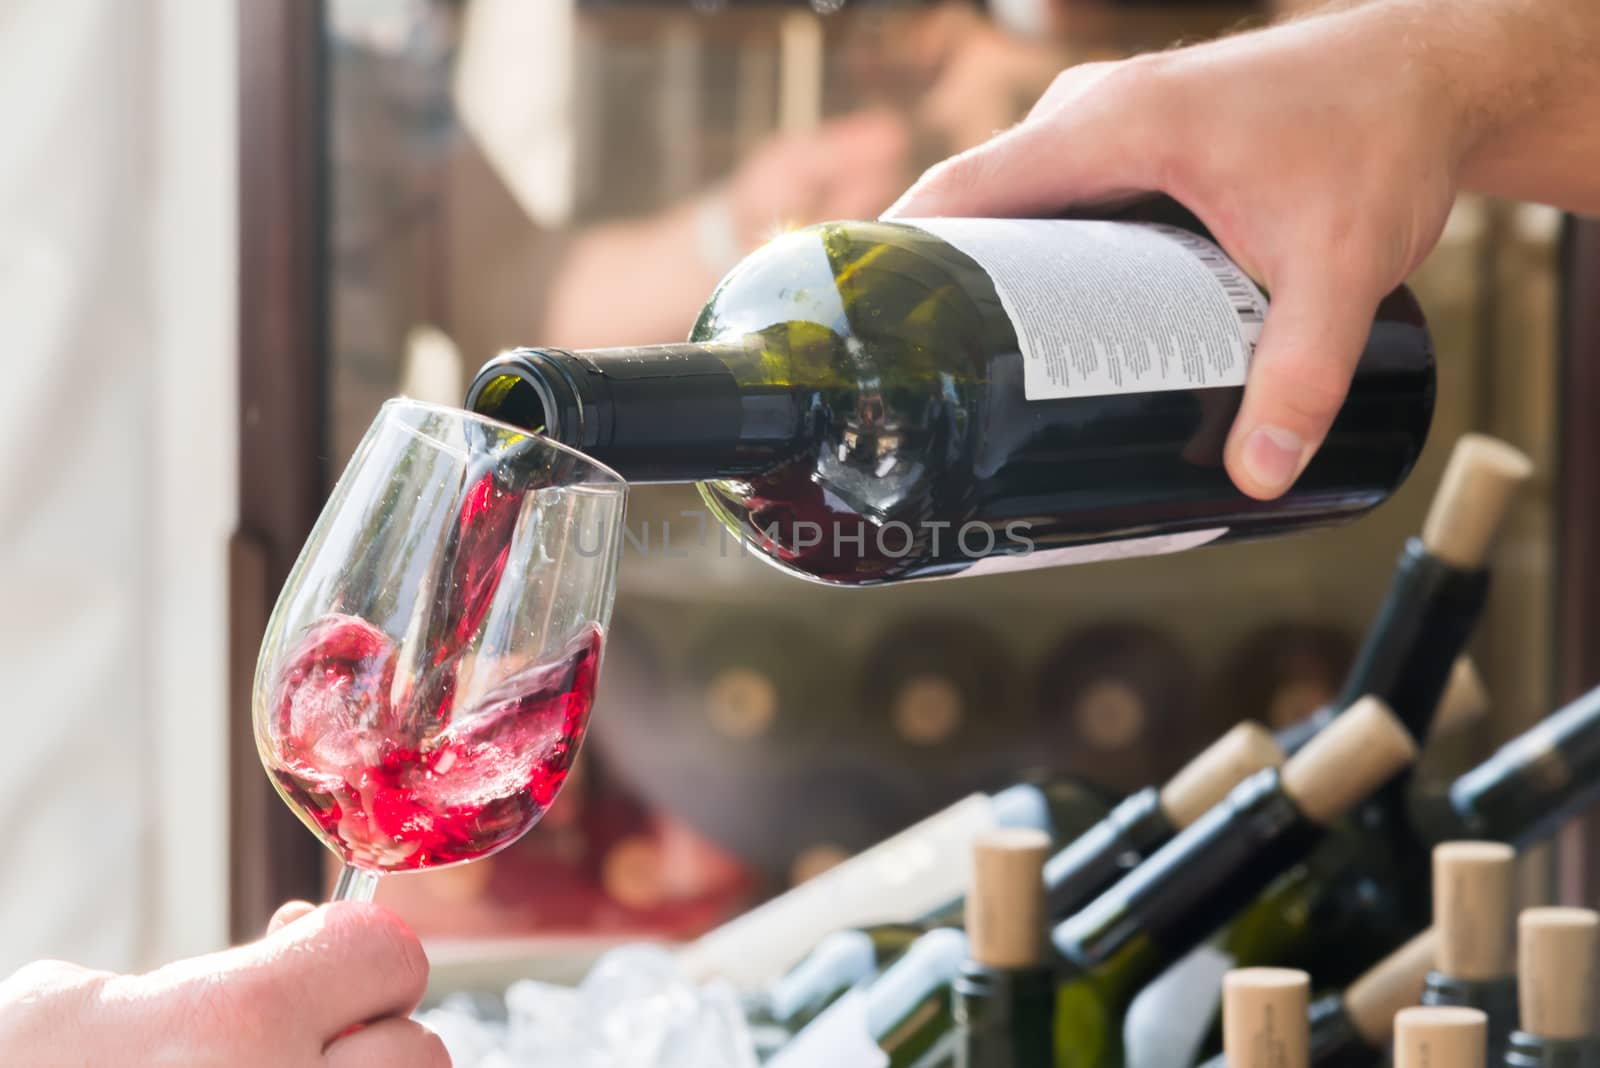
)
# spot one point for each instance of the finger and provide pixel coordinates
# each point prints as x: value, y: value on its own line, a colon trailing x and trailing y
x: 1081, y: 145
x: 339, y: 965
x: 289, y: 912
x: 392, y: 1043
x: 1315, y: 331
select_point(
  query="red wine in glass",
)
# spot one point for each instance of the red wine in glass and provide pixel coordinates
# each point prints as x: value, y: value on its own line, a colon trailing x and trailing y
x: 428, y: 674
x: 399, y: 800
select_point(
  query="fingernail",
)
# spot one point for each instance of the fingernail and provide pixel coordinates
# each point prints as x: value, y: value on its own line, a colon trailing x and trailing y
x: 1272, y: 456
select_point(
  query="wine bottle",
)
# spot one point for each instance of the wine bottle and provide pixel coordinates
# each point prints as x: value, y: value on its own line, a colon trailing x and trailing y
x: 1197, y: 882
x: 1473, y: 888
x: 1457, y: 742
x: 1437, y: 593
x: 1364, y: 892
x: 1531, y: 785
x: 838, y: 963
x: 1353, y: 1029
x: 1116, y: 701
x: 893, y: 1022
x: 1144, y: 822
x: 1004, y: 998
x: 1439, y: 1038
x: 1093, y: 861
x: 1264, y: 1018
x: 918, y: 871
x: 870, y: 402
x: 1560, y: 1016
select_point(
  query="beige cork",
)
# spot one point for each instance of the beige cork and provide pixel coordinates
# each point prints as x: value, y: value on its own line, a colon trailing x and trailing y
x: 1264, y: 1021
x: 1556, y: 971
x: 1442, y: 1037
x: 1472, y: 499
x: 1473, y: 884
x: 1394, y: 983
x: 1006, y: 908
x: 1228, y: 761
x: 1348, y: 760
x: 1465, y: 699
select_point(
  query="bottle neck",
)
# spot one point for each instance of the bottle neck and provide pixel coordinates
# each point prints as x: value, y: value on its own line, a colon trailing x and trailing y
x: 1535, y: 782
x: 1495, y: 998
x: 659, y: 413
x: 1196, y: 883
x: 1005, y: 1017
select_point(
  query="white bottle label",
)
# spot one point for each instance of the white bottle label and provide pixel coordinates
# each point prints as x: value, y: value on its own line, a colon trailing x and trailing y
x: 1111, y: 307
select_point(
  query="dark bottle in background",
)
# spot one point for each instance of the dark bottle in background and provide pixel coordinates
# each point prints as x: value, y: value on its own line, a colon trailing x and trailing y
x: 936, y: 706
x: 868, y: 402
x: 1117, y: 705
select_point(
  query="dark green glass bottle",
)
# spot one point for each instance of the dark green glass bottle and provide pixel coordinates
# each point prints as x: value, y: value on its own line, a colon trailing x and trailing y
x: 869, y: 402
x: 1366, y: 889
x: 1182, y: 895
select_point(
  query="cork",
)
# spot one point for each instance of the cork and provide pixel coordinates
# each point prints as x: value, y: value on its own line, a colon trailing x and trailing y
x: 1006, y: 908
x: 1473, y: 495
x: 1442, y: 1037
x: 1206, y: 779
x: 1556, y: 972
x: 1473, y: 884
x: 1465, y: 699
x: 1348, y: 760
x: 1264, y: 1018
x: 1394, y: 983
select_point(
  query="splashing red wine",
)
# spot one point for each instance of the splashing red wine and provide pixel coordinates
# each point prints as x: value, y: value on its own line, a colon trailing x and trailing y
x: 397, y: 795
x: 401, y: 777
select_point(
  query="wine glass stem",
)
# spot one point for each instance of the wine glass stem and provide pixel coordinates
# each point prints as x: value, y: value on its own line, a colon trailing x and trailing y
x: 355, y: 884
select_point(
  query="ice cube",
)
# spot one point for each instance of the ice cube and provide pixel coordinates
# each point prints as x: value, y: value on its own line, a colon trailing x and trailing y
x: 467, y: 1037
x: 632, y: 1000
x: 540, y: 1015
x: 715, y: 1036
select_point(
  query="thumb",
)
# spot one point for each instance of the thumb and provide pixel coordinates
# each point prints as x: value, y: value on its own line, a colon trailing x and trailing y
x: 1081, y: 144
x: 289, y: 912
x: 1299, y: 376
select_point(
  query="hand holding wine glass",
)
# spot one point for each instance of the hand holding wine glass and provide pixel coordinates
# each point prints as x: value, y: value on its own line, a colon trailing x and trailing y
x: 427, y: 675
x: 331, y: 988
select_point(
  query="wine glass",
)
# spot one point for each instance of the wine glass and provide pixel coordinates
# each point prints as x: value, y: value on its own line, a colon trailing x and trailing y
x: 427, y: 674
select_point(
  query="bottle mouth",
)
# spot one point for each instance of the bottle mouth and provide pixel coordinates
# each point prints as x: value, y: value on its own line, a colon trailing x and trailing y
x: 516, y: 387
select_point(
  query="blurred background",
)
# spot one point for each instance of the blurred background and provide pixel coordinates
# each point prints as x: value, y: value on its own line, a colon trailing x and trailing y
x: 231, y: 231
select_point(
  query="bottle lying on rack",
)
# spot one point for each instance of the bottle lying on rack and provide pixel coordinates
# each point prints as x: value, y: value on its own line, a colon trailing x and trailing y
x: 1531, y: 785
x: 1365, y: 890
x: 1474, y: 885
x: 1521, y: 795
x: 900, y: 1020
x: 921, y: 871
x: 1264, y: 1018
x: 870, y: 402
x: 1183, y: 894
x: 1073, y: 877
x: 1559, y: 987
x: 1437, y: 593
x: 1004, y: 997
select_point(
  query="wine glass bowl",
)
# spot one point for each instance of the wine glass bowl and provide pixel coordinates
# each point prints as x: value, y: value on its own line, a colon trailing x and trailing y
x: 427, y: 674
